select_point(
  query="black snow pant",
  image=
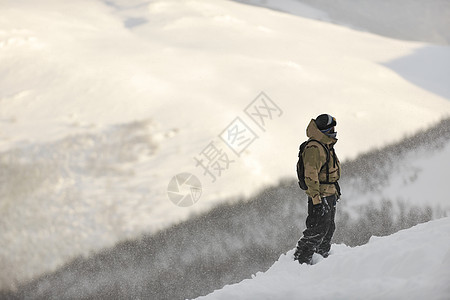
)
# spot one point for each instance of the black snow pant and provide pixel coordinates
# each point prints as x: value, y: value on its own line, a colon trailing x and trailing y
x: 319, y: 231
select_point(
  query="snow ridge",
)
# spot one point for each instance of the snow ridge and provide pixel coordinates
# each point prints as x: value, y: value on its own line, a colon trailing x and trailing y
x: 410, y: 264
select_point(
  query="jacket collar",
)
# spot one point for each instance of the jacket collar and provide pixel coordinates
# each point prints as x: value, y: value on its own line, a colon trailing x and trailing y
x: 314, y: 133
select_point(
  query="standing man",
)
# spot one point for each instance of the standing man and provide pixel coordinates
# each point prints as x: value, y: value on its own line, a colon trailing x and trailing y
x: 322, y: 171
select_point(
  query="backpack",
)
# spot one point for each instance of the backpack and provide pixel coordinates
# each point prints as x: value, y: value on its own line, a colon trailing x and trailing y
x: 301, y: 166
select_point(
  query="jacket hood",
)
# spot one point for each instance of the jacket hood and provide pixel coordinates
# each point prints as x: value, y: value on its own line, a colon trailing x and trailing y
x: 314, y: 133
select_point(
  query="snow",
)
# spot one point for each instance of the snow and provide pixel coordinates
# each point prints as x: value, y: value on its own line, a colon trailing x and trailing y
x: 421, y: 179
x: 398, y: 19
x: 103, y: 103
x: 292, y: 7
x: 416, y: 178
x: 410, y: 264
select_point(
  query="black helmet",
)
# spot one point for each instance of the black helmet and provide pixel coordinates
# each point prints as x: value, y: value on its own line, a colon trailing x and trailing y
x: 324, y: 122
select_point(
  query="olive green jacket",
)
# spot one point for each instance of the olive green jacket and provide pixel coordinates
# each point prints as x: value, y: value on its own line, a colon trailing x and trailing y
x: 314, y: 157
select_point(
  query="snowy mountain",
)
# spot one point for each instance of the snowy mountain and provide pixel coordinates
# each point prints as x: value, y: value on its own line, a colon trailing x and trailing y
x: 237, y: 239
x: 103, y: 103
x: 411, y: 264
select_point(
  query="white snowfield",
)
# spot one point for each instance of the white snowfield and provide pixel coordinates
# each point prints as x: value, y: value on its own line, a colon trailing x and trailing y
x: 102, y: 103
x: 410, y: 264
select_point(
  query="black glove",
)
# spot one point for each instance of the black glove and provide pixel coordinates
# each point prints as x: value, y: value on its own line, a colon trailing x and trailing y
x: 322, y: 208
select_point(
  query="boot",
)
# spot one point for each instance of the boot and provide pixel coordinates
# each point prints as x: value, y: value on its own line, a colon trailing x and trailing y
x: 303, y: 257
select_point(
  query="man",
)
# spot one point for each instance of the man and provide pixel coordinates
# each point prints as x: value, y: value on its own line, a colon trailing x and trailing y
x: 322, y: 172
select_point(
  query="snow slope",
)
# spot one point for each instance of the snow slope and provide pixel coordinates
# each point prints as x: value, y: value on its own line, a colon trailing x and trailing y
x: 398, y: 19
x: 103, y: 103
x: 410, y: 264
